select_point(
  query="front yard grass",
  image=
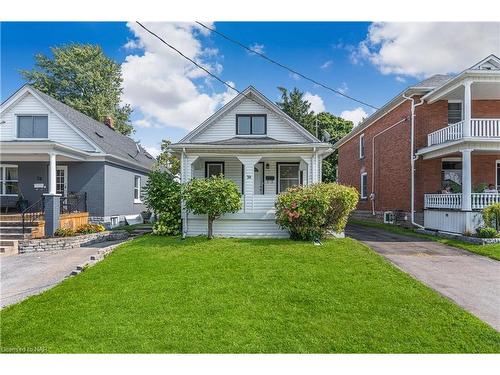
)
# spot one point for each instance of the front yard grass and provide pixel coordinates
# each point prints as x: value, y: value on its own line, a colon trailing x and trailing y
x: 165, y: 295
x: 490, y: 250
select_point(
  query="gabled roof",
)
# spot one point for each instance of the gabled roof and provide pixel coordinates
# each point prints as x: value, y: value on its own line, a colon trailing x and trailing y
x: 247, y: 141
x: 107, y: 140
x: 492, y: 62
x: 250, y: 93
x: 433, y: 81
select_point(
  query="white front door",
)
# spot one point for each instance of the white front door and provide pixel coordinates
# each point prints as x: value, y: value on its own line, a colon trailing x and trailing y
x: 62, y: 180
x: 258, y: 179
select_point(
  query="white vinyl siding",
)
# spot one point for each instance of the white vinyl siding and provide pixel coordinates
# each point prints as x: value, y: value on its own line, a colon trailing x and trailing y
x: 231, y: 226
x: 58, y: 130
x: 225, y: 127
x: 232, y: 168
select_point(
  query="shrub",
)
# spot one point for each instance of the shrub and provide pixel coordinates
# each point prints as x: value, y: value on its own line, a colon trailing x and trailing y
x: 486, y: 232
x: 64, y: 232
x: 213, y: 197
x: 163, y: 197
x: 90, y: 228
x: 491, y: 216
x: 309, y: 212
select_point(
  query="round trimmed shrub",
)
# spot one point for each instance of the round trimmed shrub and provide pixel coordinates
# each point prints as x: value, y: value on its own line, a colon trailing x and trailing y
x: 310, y: 212
x: 486, y: 232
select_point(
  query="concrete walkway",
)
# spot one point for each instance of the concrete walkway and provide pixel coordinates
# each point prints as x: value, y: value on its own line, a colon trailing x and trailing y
x: 471, y: 281
x: 24, y: 275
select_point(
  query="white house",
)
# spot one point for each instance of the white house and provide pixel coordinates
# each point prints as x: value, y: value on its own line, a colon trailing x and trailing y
x: 264, y: 151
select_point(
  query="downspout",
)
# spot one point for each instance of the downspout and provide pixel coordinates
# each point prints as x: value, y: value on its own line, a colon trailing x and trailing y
x: 413, y: 158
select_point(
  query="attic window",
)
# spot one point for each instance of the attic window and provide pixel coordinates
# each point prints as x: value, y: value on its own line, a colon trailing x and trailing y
x: 133, y: 157
x: 99, y: 135
x: 251, y: 124
x: 148, y: 156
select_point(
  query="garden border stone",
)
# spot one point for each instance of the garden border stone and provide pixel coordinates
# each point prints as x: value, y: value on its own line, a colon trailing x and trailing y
x: 66, y: 243
x: 460, y: 237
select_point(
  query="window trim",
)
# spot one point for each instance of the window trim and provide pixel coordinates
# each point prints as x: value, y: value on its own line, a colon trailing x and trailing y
x: 461, y: 110
x: 362, y: 185
x: 215, y: 162
x: 497, y: 174
x: 138, y: 188
x: 278, y: 164
x: 252, y: 115
x: 361, y: 146
x: 17, y: 115
x: 3, y: 180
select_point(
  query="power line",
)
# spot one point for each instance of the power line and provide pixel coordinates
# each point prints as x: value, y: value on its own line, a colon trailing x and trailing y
x: 284, y: 66
x: 188, y: 58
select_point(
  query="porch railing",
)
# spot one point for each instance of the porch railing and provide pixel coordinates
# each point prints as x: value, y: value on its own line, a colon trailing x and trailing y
x: 489, y: 128
x: 74, y: 202
x: 482, y: 200
x: 479, y: 127
x: 33, y: 213
x: 450, y: 133
x: 454, y: 201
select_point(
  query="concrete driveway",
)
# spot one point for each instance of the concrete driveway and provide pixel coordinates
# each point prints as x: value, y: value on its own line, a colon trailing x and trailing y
x: 24, y: 275
x: 471, y: 281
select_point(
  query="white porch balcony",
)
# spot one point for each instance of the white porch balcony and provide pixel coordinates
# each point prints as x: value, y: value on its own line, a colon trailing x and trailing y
x: 475, y: 129
x: 454, y: 201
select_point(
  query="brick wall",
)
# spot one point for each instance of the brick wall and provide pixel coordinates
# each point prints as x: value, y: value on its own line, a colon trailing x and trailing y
x: 392, y: 160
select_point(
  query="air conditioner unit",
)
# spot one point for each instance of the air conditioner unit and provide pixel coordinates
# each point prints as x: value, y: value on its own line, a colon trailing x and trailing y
x: 388, y: 217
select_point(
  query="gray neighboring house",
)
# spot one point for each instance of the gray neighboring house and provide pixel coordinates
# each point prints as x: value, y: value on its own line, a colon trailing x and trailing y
x: 50, y: 149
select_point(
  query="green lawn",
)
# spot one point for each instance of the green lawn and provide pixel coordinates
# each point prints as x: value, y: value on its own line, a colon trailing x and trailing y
x: 492, y: 251
x: 157, y: 294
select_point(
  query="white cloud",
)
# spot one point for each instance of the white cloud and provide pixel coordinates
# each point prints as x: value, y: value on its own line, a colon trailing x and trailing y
x: 317, y: 104
x: 426, y: 48
x: 152, y: 150
x: 355, y: 115
x: 343, y: 88
x: 326, y: 64
x: 257, y: 48
x: 160, y: 83
x: 400, y: 79
x: 294, y: 76
x: 143, y: 123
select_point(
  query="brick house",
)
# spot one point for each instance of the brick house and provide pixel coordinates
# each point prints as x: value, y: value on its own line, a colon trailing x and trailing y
x: 447, y: 130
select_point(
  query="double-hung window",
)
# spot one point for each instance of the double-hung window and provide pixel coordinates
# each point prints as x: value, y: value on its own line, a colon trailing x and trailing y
x: 361, y: 146
x: 288, y: 175
x: 454, y: 112
x: 33, y: 126
x: 9, y: 179
x: 251, y: 124
x: 364, y: 185
x: 137, y: 189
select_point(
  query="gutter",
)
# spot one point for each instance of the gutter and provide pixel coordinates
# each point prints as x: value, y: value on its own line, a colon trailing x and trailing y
x: 413, y: 157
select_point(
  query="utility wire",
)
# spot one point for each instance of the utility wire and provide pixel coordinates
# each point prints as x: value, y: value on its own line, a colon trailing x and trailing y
x: 188, y: 58
x: 284, y: 66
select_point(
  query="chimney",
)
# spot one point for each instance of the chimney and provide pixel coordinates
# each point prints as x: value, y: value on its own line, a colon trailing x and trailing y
x: 108, y: 121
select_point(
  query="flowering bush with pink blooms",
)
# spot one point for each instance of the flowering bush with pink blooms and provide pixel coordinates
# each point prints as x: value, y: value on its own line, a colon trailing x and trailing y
x: 310, y: 212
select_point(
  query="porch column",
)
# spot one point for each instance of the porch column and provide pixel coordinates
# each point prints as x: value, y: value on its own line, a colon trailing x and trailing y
x: 467, y: 108
x: 248, y: 175
x: 186, y: 175
x: 466, y: 180
x: 52, y: 200
x: 308, y: 163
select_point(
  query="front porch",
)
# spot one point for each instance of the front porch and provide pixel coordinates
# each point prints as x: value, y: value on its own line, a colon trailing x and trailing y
x: 260, y: 178
x: 36, y: 196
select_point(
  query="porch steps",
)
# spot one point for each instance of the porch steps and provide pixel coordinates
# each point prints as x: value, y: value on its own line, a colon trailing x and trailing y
x: 8, y: 247
x: 11, y: 227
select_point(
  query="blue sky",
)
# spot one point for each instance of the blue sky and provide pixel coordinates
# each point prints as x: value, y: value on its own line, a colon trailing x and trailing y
x: 170, y: 97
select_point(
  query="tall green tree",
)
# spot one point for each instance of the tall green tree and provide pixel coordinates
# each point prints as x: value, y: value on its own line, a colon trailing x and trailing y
x: 295, y: 106
x: 83, y: 77
x: 298, y: 108
x: 167, y: 160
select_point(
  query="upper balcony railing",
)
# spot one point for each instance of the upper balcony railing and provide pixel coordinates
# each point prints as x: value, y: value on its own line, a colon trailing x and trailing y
x: 480, y: 128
